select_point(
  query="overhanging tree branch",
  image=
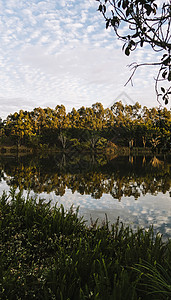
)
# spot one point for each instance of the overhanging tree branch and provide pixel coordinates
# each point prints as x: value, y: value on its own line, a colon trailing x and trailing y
x: 146, y: 25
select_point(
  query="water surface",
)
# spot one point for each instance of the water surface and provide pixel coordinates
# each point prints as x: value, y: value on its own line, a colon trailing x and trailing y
x: 137, y: 189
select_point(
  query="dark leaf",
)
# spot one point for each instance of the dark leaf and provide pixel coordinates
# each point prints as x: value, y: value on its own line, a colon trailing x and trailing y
x: 125, y: 4
x: 115, y: 21
x: 166, y: 61
x: 100, y: 7
x: 164, y: 74
x: 119, y: 3
x: 148, y: 9
x: 127, y: 12
x: 141, y: 42
x: 165, y: 99
x: 107, y: 23
x: 164, y: 56
x: 127, y: 51
x: 162, y: 89
x: 169, y: 77
x: 131, y: 6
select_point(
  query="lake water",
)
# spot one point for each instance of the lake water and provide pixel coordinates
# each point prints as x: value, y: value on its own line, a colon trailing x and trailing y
x: 137, y: 189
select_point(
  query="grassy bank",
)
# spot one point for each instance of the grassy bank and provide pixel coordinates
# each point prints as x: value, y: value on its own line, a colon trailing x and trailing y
x: 49, y: 253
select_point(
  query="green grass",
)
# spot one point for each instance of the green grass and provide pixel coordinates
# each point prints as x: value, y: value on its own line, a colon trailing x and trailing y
x: 49, y: 253
x: 157, y: 279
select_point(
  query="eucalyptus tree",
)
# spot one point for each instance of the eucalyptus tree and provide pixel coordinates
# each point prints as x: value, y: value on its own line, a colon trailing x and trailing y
x: 60, y: 114
x: 74, y: 118
x: 82, y: 115
x: 39, y: 117
x: 145, y: 23
x: 16, y: 127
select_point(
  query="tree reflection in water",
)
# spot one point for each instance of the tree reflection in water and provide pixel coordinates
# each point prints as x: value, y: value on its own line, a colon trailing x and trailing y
x: 93, y: 175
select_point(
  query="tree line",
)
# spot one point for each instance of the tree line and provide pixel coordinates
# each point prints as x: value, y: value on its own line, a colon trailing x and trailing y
x: 92, y: 127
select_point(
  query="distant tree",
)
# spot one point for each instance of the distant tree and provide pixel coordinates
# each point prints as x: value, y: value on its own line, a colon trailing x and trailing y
x: 144, y: 24
x: 88, y: 127
x: 1, y: 129
x: 74, y: 118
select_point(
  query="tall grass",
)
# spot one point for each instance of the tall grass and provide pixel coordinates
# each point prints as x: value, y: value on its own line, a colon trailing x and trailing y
x: 156, y: 278
x: 49, y: 253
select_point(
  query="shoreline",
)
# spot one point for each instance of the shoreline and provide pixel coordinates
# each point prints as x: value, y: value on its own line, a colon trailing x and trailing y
x: 117, y: 151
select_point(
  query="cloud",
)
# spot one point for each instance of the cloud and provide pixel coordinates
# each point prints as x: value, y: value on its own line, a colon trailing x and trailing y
x: 101, y: 67
x: 56, y: 50
x: 10, y: 105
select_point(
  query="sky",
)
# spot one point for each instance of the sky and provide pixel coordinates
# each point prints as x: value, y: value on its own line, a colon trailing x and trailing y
x: 56, y: 52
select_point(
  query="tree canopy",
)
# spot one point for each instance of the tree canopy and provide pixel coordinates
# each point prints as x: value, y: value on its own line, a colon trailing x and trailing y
x: 88, y: 127
x: 145, y: 23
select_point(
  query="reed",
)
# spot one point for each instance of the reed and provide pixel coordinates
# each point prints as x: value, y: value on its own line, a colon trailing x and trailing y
x: 155, y: 278
x: 49, y: 253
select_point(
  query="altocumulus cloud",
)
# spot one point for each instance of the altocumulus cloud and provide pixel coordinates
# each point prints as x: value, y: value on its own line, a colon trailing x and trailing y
x: 55, y: 52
